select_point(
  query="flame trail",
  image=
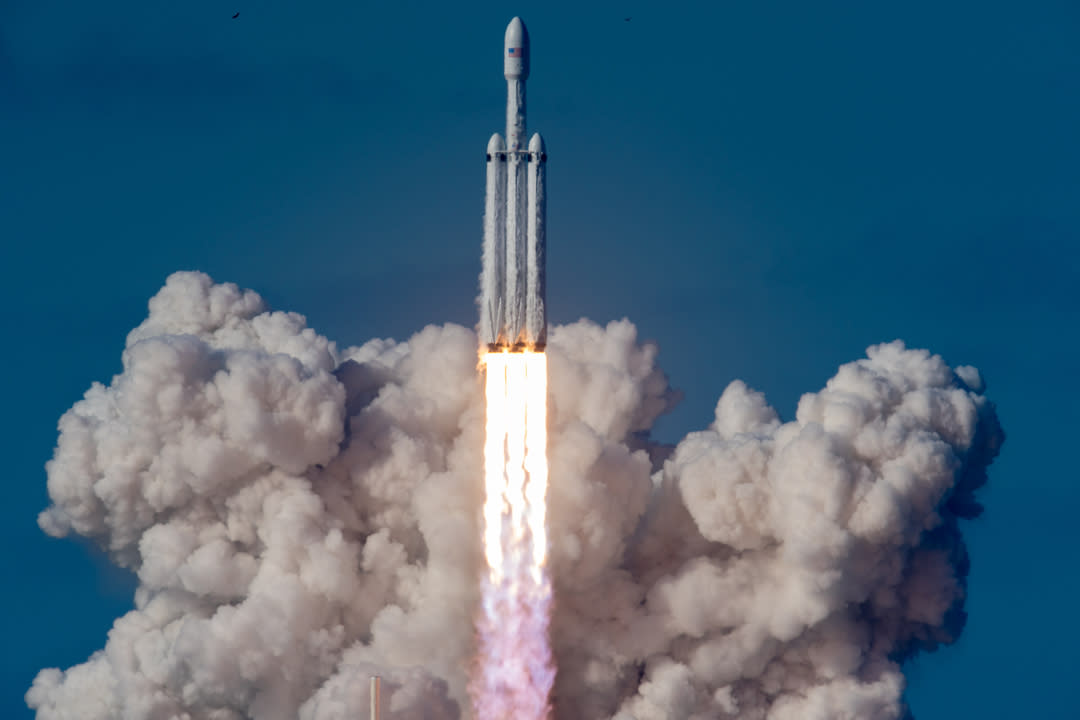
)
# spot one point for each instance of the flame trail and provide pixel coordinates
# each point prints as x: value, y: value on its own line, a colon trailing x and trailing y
x: 515, y: 670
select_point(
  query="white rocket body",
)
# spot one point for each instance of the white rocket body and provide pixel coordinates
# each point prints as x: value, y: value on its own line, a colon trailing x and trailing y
x: 512, y: 293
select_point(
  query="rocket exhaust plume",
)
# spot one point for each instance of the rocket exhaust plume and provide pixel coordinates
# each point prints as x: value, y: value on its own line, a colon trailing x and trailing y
x: 514, y: 671
x: 301, y: 517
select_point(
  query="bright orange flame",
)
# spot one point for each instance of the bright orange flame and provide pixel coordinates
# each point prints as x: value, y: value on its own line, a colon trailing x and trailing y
x: 494, y: 473
x: 515, y: 669
x: 536, y: 465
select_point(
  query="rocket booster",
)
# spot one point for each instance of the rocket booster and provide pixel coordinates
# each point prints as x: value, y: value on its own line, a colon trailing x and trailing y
x: 512, y: 291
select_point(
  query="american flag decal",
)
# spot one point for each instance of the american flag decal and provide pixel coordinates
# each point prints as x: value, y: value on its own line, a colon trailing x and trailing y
x: 516, y: 52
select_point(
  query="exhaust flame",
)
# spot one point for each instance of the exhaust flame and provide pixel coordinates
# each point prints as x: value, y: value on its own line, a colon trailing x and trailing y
x: 515, y: 671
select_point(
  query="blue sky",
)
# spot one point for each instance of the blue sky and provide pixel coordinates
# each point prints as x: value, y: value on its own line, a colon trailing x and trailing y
x: 764, y: 188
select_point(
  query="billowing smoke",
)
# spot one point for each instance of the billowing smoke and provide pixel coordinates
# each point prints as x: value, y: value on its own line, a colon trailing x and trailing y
x: 301, y: 517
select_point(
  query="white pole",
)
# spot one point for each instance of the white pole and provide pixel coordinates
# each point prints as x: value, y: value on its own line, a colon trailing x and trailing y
x: 376, y: 701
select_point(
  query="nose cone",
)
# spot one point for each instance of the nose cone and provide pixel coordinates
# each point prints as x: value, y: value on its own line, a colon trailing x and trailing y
x: 516, y: 50
x: 516, y: 35
x: 536, y: 145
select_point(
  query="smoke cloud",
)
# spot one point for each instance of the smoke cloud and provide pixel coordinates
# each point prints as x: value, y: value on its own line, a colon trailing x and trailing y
x: 301, y: 517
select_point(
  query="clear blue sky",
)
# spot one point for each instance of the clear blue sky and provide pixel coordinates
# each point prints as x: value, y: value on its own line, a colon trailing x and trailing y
x: 764, y: 188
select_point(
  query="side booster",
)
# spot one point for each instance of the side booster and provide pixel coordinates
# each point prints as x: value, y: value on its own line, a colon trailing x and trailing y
x: 512, y: 284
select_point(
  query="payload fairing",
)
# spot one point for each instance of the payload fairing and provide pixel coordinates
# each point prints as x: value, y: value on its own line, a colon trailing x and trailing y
x: 512, y: 293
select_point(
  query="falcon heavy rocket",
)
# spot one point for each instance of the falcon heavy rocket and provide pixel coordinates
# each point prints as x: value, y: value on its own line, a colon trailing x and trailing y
x: 512, y: 297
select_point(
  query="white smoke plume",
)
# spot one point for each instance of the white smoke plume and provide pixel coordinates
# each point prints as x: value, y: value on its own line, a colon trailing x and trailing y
x: 301, y: 517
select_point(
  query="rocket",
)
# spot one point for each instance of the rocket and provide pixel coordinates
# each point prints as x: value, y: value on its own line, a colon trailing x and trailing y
x: 512, y: 292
